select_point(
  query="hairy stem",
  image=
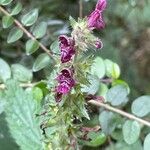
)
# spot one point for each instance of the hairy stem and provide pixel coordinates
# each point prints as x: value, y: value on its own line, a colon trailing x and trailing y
x: 125, y: 114
x: 27, y: 32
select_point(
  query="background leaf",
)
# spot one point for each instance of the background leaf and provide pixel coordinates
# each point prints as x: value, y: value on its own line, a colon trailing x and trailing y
x: 31, y: 46
x: 5, y: 2
x: 147, y: 142
x: 21, y: 73
x: 14, y: 35
x: 117, y: 95
x: 41, y: 62
x: 7, y: 21
x: 40, y: 30
x: 98, y: 67
x: 16, y: 10
x: 131, y: 131
x: 5, y: 72
x: 30, y: 18
x: 141, y: 106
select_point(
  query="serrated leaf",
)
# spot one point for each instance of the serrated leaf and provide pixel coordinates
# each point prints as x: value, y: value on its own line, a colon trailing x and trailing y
x: 98, y: 67
x: 16, y: 10
x: 40, y: 30
x: 117, y: 95
x: 7, y: 21
x: 5, y: 72
x: 14, y: 35
x: 20, y: 115
x: 147, y: 142
x: 141, y: 106
x: 5, y: 2
x: 41, y: 62
x: 30, y: 18
x: 31, y: 46
x: 131, y: 131
x: 21, y: 73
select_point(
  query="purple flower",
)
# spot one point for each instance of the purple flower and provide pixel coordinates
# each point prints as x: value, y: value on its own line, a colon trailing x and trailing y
x: 98, y: 44
x: 66, y: 82
x: 67, y: 48
x: 101, y: 5
x: 95, y: 19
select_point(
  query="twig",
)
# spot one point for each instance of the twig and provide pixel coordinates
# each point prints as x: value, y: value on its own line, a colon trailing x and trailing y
x: 24, y: 85
x: 27, y: 32
x: 80, y: 8
x: 125, y: 114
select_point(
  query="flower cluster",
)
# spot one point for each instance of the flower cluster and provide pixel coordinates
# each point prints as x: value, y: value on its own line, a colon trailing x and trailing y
x: 65, y: 78
x: 95, y: 19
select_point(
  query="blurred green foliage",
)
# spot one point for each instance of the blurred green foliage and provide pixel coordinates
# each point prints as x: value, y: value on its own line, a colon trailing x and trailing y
x: 126, y: 41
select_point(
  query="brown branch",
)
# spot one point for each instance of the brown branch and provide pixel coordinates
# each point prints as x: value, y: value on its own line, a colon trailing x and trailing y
x: 27, y: 32
x: 116, y: 110
x: 80, y: 8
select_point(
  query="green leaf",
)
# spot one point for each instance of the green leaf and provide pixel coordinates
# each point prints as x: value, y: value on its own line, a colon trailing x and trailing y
x: 121, y: 82
x: 7, y: 21
x: 141, y: 106
x: 108, y: 122
x: 41, y: 62
x: 55, y: 47
x: 20, y: 115
x: 37, y: 94
x: 117, y: 95
x: 16, y: 10
x: 40, y: 30
x: 5, y: 72
x: 103, y: 89
x: 112, y: 69
x: 31, y: 46
x: 30, y: 18
x: 147, y: 142
x: 131, y: 131
x: 97, y: 139
x: 5, y: 2
x: 21, y: 73
x: 14, y: 35
x: 98, y: 67
x: 93, y: 86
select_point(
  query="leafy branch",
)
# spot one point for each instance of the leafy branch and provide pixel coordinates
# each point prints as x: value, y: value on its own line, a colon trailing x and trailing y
x: 20, y: 26
x: 125, y: 114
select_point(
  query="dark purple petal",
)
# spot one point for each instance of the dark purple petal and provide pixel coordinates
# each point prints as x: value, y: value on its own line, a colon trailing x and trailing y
x: 67, y: 48
x: 95, y: 20
x: 63, y: 88
x: 101, y: 5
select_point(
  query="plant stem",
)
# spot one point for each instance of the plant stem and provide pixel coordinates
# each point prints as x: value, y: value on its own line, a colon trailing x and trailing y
x: 24, y: 85
x: 80, y: 8
x: 27, y: 32
x: 116, y: 110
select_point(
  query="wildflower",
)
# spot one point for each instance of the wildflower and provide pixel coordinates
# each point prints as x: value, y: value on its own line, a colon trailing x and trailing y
x: 66, y: 82
x: 67, y: 48
x: 95, y: 19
